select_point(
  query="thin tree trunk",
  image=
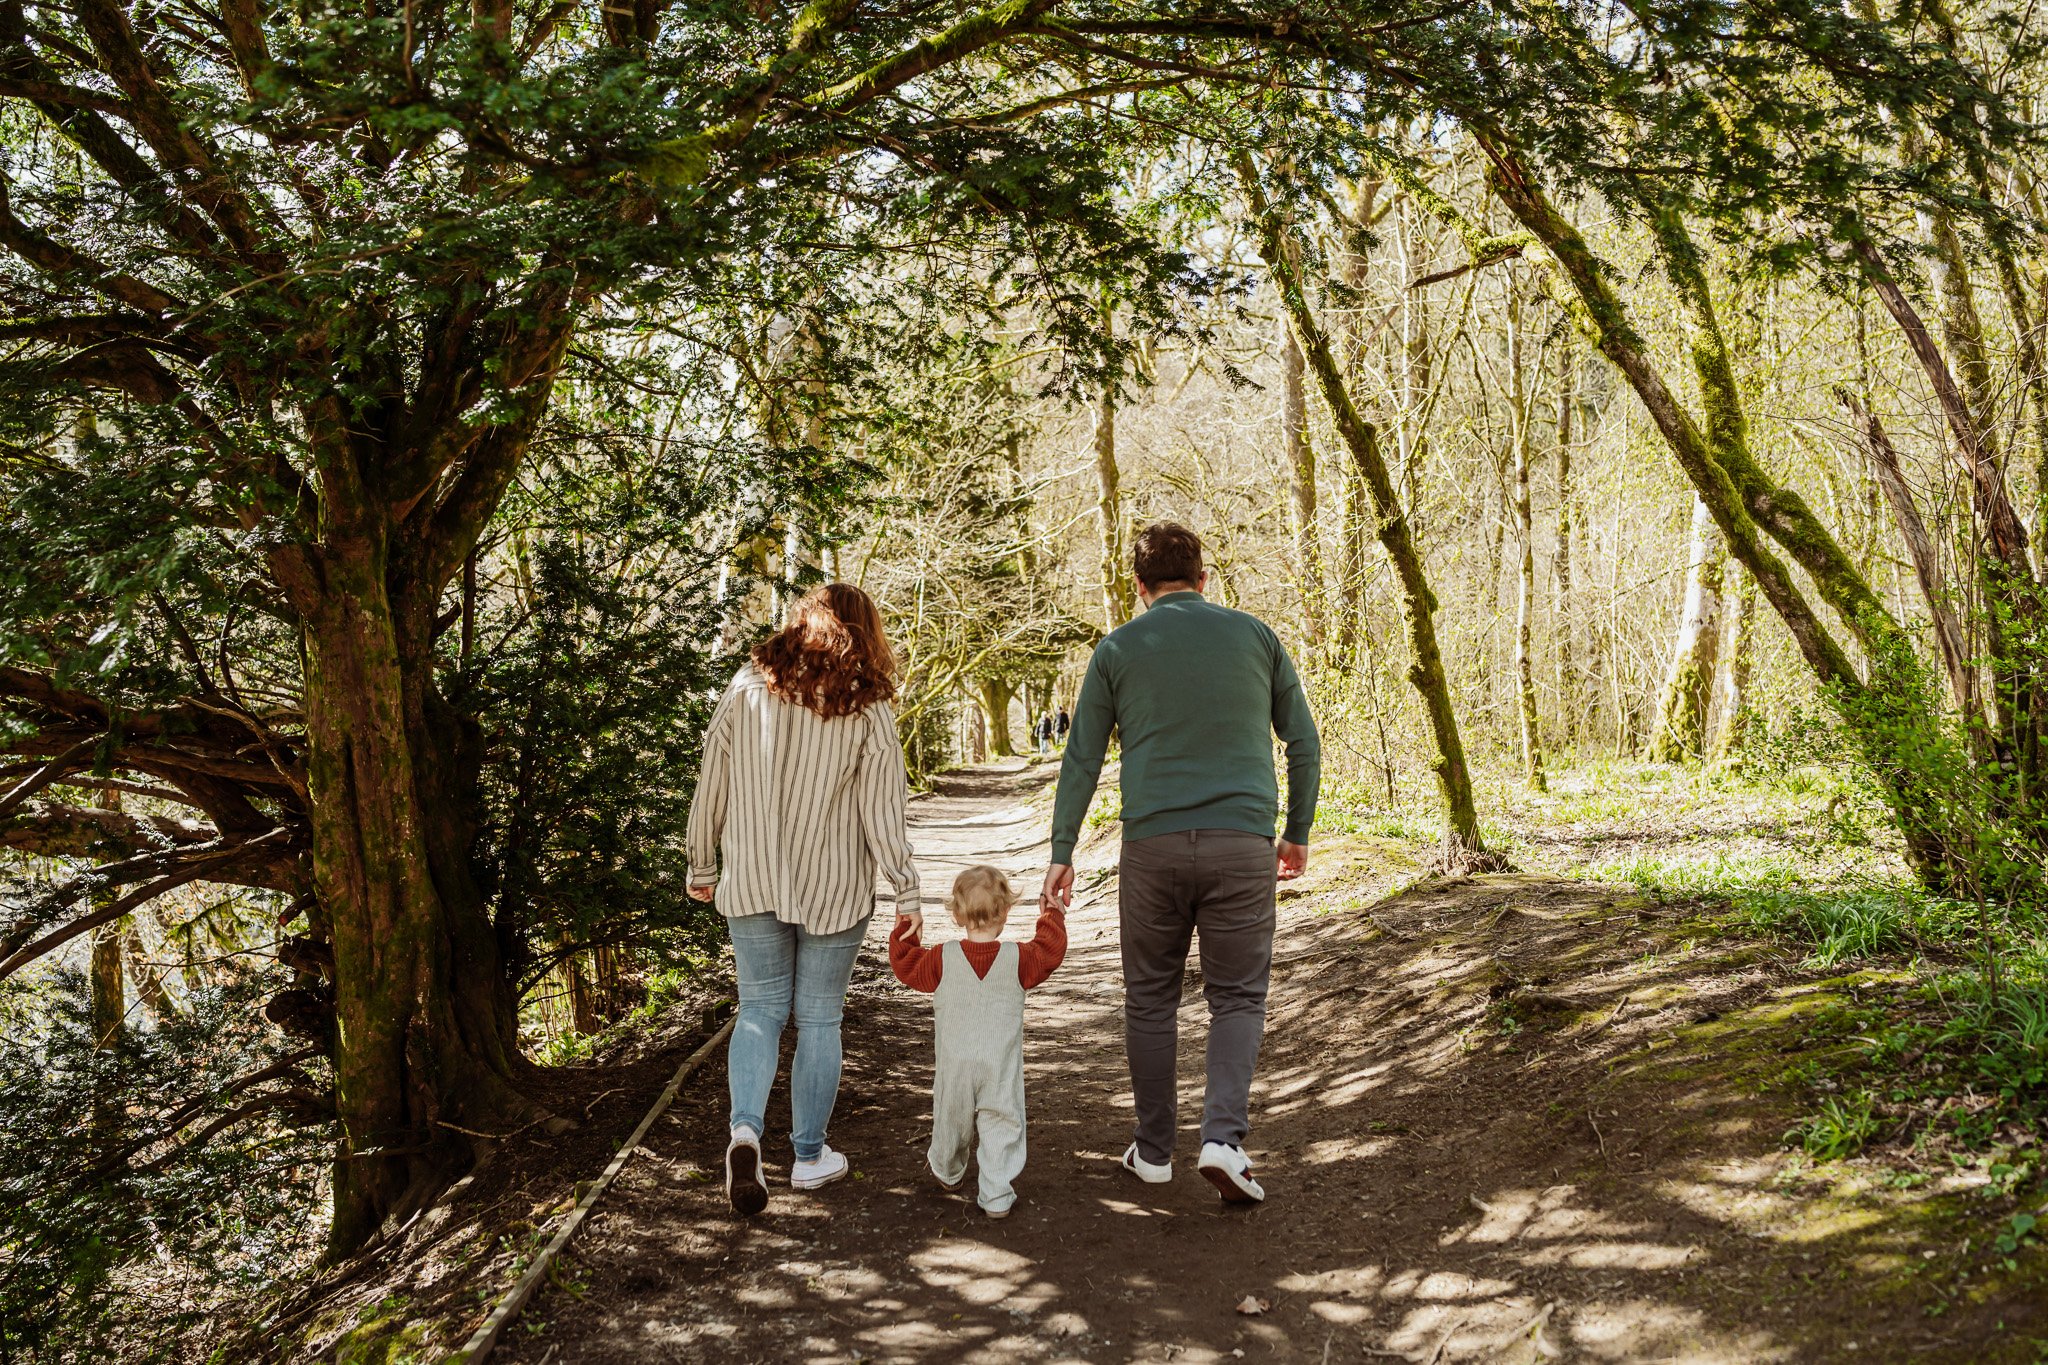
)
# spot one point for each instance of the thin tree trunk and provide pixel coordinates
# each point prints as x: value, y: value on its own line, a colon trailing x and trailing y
x: 1525, y: 540
x: 1891, y: 478
x: 1463, y: 845
x: 2004, y: 567
x: 1301, y: 474
x: 1354, y: 514
x: 109, y: 993
x: 148, y: 978
x: 1739, y: 655
x: 1561, y: 560
x: 1679, y: 732
x: 1118, y: 600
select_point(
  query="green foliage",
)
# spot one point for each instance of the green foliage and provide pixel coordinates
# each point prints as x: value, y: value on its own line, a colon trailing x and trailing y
x: 108, y: 1155
x: 1839, y: 1129
x: 594, y: 677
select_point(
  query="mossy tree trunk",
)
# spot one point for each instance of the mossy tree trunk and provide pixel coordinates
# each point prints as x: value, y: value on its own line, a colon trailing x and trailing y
x: 426, y: 1053
x: 1463, y: 845
x: 1680, y: 729
x: 1887, y: 714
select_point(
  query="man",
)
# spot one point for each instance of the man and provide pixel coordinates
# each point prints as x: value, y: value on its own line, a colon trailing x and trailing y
x: 1060, y: 727
x: 1196, y: 693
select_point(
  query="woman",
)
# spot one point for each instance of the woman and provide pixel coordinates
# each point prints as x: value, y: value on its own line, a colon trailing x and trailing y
x: 802, y: 790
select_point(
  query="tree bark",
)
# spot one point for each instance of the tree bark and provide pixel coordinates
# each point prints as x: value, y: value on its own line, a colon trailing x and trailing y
x: 1463, y: 846
x: 109, y: 993
x: 1739, y: 654
x: 1354, y: 514
x: 1561, y: 559
x: 1525, y: 565
x: 1680, y: 729
x: 1891, y: 479
x: 427, y: 1052
x: 1118, y: 596
x: 993, y: 696
x: 1301, y: 477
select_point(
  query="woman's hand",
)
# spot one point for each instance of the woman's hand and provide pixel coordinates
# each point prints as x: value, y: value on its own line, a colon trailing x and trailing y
x: 913, y: 920
x: 704, y: 893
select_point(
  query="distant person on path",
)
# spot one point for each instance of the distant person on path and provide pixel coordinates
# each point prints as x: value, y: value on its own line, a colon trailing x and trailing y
x: 1196, y: 693
x: 977, y: 988
x: 802, y: 790
x: 1060, y: 726
x: 1041, y: 732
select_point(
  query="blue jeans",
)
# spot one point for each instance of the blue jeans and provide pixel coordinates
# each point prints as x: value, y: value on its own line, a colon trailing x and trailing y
x: 783, y: 966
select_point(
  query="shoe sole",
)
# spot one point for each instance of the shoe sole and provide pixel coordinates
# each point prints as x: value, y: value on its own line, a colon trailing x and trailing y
x: 995, y: 1215
x: 822, y: 1181
x: 743, y: 1187
x: 1232, y: 1192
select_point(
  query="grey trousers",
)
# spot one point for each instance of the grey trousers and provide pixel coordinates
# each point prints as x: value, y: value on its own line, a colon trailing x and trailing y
x: 1219, y: 883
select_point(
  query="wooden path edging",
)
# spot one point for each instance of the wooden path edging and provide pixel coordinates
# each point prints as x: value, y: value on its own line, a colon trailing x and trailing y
x: 486, y: 1339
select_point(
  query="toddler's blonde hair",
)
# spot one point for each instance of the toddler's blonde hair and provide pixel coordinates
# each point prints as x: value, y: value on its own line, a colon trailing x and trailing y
x: 982, y: 895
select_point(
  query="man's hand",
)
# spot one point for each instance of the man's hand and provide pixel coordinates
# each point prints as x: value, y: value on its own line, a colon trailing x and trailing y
x: 913, y: 919
x: 1058, y: 891
x: 704, y: 893
x: 1293, y: 860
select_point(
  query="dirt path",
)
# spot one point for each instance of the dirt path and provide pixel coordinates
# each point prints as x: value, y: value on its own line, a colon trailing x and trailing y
x: 1499, y: 1120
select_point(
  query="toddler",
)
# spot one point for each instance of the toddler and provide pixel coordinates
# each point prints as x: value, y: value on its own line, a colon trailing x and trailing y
x: 977, y: 988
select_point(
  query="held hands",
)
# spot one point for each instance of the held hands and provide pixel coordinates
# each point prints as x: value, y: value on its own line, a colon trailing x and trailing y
x: 909, y: 921
x: 1058, y: 891
x: 1292, y: 860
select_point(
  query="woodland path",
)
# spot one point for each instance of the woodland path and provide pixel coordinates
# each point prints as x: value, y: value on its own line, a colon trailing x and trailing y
x: 1435, y: 1194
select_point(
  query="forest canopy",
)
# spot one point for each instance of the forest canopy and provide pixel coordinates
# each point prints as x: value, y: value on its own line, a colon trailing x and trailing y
x: 410, y: 412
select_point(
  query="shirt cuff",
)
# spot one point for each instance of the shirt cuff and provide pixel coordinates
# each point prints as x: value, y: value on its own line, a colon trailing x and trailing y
x: 1063, y: 852
x: 703, y: 876
x: 1294, y: 835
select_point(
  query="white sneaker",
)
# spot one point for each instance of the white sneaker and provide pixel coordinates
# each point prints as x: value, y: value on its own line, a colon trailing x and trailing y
x: 743, y: 1187
x: 1150, y: 1172
x: 1230, y: 1171
x: 820, y: 1171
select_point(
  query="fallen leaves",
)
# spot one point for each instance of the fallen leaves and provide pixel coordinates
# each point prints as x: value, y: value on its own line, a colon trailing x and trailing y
x: 1253, y: 1305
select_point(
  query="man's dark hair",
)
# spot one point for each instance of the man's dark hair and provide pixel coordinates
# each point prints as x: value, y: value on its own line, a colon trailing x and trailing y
x: 1167, y: 552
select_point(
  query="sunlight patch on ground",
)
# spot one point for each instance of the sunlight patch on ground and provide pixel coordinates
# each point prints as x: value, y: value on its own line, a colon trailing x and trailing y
x: 980, y: 1274
x: 1639, y: 1329
x: 1330, y: 1151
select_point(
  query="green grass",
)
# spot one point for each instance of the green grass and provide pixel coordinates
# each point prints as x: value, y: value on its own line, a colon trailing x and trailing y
x: 1852, y: 924
x: 1694, y: 876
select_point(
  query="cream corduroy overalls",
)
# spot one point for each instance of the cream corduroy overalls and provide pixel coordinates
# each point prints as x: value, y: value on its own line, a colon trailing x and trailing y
x: 978, y: 1080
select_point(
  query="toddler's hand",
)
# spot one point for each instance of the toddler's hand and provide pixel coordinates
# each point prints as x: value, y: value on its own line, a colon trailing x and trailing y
x: 908, y: 922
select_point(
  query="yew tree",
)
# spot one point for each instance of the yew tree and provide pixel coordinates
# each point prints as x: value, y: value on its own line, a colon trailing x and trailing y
x: 292, y: 291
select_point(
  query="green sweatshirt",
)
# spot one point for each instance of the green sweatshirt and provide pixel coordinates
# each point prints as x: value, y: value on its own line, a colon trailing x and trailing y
x: 1197, y: 692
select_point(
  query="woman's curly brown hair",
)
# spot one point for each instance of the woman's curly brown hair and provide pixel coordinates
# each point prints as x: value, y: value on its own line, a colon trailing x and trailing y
x: 830, y: 657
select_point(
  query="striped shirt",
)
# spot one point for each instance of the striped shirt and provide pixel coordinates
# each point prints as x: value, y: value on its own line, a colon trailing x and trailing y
x: 802, y: 808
